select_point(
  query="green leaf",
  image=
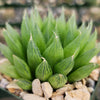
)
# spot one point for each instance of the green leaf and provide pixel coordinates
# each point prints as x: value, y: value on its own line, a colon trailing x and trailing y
x: 14, y: 44
x: 60, y: 27
x: 25, y: 30
x: 54, y: 53
x: 32, y: 21
x: 81, y: 73
x: 6, y: 52
x: 65, y: 66
x: 8, y: 69
x: 85, y: 31
x: 71, y: 29
x: 90, y: 43
x: 24, y: 84
x: 48, y: 27
x: 84, y: 58
x: 50, y: 40
x: 70, y: 49
x: 57, y: 80
x: 38, y: 18
x: 43, y: 71
x: 13, y: 33
x: 38, y: 38
x: 33, y: 55
x: 22, y: 68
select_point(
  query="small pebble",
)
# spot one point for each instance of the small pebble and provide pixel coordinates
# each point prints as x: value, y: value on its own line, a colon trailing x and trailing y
x: 58, y: 97
x: 23, y: 93
x: 60, y: 91
x: 95, y: 74
x: 8, y: 78
x: 98, y: 59
x: 90, y: 89
x: 83, y: 81
x: 79, y: 94
x: 78, y: 85
x: 94, y: 59
x: 32, y: 97
x: 90, y: 82
x: 68, y: 97
x: 14, y: 88
x: 36, y: 87
x: 4, y: 83
x: 47, y: 89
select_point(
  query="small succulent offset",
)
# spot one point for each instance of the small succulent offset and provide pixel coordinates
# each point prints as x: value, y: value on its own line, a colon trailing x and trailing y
x: 51, y: 50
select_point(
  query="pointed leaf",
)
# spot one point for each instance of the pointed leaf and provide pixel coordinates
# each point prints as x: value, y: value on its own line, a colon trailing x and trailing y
x: 13, y: 33
x: 24, y: 84
x: 86, y: 33
x: 22, y: 68
x: 32, y: 21
x: 54, y: 53
x: 38, y: 38
x: 50, y: 40
x: 8, y: 69
x: 57, y: 80
x: 70, y: 49
x: 65, y: 66
x: 25, y: 30
x: 6, y: 52
x: 90, y: 43
x: 84, y: 58
x: 71, y: 30
x: 14, y: 45
x: 81, y: 72
x: 33, y: 55
x: 37, y: 18
x: 43, y: 71
x: 61, y: 26
x: 48, y: 26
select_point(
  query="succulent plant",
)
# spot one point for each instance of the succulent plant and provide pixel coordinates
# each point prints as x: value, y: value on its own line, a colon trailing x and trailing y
x: 49, y: 49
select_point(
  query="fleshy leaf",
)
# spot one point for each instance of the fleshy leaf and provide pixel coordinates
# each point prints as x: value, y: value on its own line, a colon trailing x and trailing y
x: 6, y: 52
x: 50, y: 40
x: 84, y: 58
x: 32, y: 21
x: 57, y: 80
x: 38, y: 38
x: 54, y: 53
x: 8, y: 69
x: 85, y: 34
x: 90, y: 43
x: 43, y: 71
x: 81, y: 72
x: 13, y: 33
x: 48, y: 26
x: 22, y: 68
x: 33, y: 55
x: 24, y: 84
x: 37, y: 18
x: 14, y: 44
x: 70, y: 49
x: 71, y: 30
x: 60, y: 27
x: 25, y: 30
x: 65, y: 66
